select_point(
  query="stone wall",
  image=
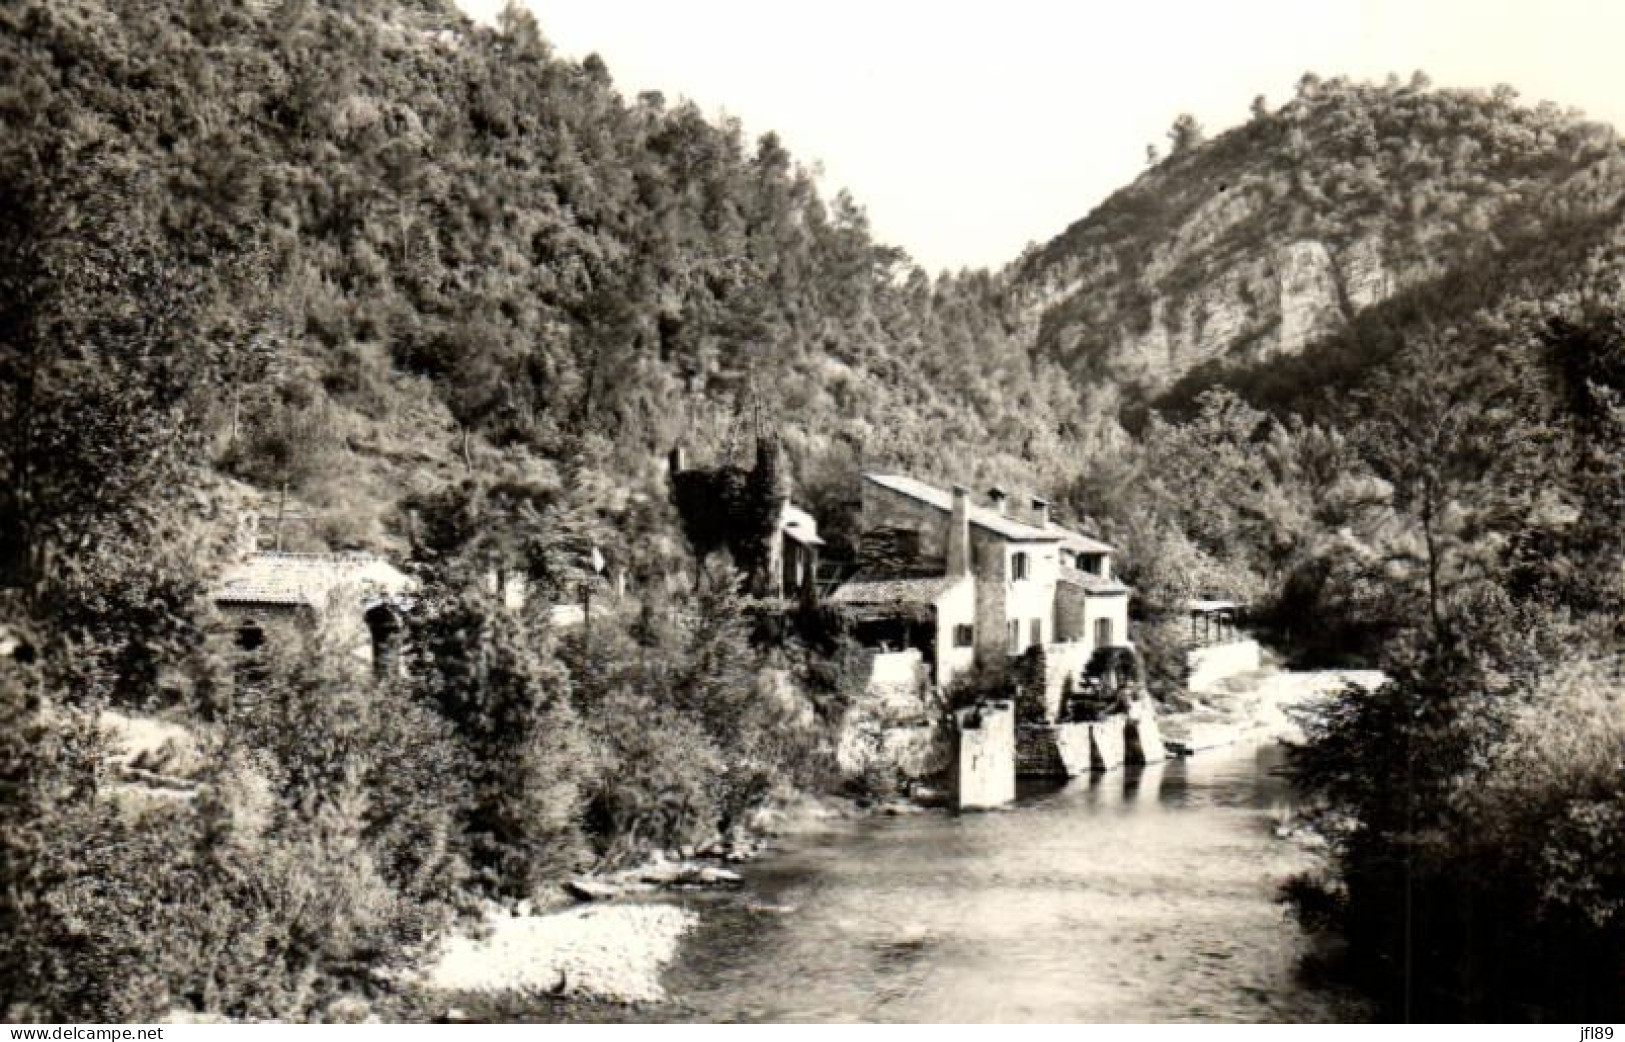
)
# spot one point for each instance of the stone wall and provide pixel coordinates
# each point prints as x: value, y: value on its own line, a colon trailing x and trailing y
x: 884, y: 508
x: 897, y: 681
x: 1217, y: 662
x: 988, y: 565
x: 1053, y: 751
x: 1073, y: 750
x: 984, y: 767
x: 895, y: 725
x: 1061, y: 661
x: 1069, y: 613
x: 912, y: 750
x: 1038, y: 754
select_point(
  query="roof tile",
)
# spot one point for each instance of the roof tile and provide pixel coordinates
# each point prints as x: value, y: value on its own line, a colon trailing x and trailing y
x: 865, y: 590
x: 308, y: 579
x: 1001, y: 524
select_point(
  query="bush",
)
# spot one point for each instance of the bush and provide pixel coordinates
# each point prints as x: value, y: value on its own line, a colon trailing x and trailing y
x: 494, y: 674
x: 1160, y: 642
x: 1474, y: 832
x: 316, y: 724
x: 315, y: 856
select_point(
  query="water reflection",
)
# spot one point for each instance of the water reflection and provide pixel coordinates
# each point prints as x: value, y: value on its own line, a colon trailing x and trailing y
x: 1138, y: 895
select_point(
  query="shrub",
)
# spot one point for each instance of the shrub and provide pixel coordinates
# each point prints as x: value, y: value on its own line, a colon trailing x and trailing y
x: 493, y: 673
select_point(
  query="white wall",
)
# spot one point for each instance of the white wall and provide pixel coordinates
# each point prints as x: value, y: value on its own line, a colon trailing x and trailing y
x: 956, y: 607
x: 1108, y: 606
x: 1032, y: 597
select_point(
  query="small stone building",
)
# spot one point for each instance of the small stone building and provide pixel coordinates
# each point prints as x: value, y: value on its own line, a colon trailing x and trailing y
x: 356, y: 596
x: 931, y: 616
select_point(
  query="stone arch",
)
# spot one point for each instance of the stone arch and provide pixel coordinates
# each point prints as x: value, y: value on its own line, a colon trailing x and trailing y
x: 387, y: 627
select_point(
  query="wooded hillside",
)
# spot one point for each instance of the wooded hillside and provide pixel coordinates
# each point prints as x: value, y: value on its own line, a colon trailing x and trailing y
x: 1359, y: 362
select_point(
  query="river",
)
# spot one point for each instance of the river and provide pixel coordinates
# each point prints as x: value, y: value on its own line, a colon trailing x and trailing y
x: 1139, y: 895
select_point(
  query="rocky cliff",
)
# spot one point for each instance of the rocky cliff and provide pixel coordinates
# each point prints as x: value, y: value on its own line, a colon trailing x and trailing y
x: 1277, y: 234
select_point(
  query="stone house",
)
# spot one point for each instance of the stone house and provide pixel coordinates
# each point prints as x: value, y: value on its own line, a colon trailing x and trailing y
x: 355, y: 596
x: 967, y: 583
x: 750, y: 514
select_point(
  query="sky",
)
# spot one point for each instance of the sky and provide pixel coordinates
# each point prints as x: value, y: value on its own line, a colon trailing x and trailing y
x: 968, y: 130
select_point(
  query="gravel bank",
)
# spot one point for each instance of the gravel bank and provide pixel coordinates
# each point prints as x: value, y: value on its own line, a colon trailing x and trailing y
x: 611, y: 952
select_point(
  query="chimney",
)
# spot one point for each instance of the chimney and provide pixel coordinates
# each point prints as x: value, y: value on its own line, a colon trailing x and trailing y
x: 1040, y: 512
x: 997, y: 495
x: 959, y: 534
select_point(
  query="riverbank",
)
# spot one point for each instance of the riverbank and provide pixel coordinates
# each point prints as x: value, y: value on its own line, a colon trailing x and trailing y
x: 606, y: 958
x: 598, y: 951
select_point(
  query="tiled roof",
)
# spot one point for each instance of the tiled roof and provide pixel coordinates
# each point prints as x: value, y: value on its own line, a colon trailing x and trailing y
x: 800, y: 526
x: 309, y: 579
x: 992, y: 520
x: 1078, y: 542
x: 1090, y: 583
x: 863, y: 590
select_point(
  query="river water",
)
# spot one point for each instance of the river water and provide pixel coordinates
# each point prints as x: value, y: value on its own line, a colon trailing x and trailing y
x: 1139, y: 895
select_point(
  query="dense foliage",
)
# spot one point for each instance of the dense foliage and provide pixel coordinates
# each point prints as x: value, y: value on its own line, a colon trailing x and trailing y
x: 447, y: 294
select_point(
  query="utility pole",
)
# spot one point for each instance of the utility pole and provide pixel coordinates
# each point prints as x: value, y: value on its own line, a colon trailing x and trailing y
x: 586, y: 596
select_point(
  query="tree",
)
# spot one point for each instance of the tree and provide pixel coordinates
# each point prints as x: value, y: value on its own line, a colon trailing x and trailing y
x: 494, y: 675
x: 24, y: 826
x: 106, y: 368
x: 1185, y: 135
x: 1452, y: 431
x: 291, y: 446
x: 321, y: 730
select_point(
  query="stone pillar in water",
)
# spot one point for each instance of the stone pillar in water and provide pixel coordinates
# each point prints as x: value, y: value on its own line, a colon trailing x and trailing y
x: 984, y: 768
x: 1142, y: 738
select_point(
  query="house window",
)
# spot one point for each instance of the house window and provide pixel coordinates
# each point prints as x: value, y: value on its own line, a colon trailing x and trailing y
x: 1037, y: 629
x: 964, y: 636
x: 1018, y: 566
x: 1103, y: 633
x: 1091, y: 563
x: 1014, y: 629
